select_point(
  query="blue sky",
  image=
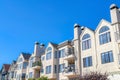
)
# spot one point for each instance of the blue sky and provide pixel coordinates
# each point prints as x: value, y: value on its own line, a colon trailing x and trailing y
x: 22, y: 22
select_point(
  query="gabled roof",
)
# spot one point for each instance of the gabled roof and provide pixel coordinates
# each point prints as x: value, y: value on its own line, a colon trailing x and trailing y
x: 103, y: 20
x: 26, y: 56
x: 14, y: 62
x: 86, y: 28
x: 54, y: 44
x: 6, y: 67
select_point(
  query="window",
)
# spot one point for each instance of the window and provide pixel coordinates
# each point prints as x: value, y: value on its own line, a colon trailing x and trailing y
x: 31, y: 61
x: 41, y: 70
x: 42, y: 58
x: 61, y: 68
x: 18, y: 77
x: 49, y: 49
x: 11, y: 74
x: 104, y: 35
x: 19, y: 66
x: 48, y: 56
x: 107, y: 57
x: 86, y: 42
x: 20, y: 60
x: 49, y: 52
x: 55, y: 54
x: 23, y: 75
x: 61, y: 53
x: 87, y: 62
x: 55, y: 68
x: 30, y: 75
x: 48, y: 69
x: 25, y: 64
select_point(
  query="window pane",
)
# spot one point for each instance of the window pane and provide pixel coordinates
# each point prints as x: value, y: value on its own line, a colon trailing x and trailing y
x: 103, y: 58
x: 55, y: 54
x: 103, y: 29
x: 86, y: 44
x: 108, y: 37
x: 87, y: 62
x: 55, y: 68
x: 48, y: 56
x: 107, y: 57
x: 49, y: 49
x: 90, y: 60
x: 111, y: 56
x: 104, y: 38
x: 85, y: 36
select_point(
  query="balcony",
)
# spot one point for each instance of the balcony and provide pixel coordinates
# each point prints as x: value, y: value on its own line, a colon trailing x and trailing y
x: 69, y: 55
x: 70, y: 71
x: 117, y: 36
x: 36, y: 65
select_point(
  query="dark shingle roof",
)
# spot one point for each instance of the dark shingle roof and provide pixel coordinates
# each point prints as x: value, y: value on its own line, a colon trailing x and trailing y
x: 54, y: 44
x: 6, y: 66
x: 26, y: 56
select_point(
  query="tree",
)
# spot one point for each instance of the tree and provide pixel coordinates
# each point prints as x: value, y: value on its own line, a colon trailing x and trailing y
x: 94, y: 76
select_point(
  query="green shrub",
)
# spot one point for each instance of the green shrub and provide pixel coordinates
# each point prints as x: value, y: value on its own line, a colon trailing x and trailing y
x: 31, y: 79
x: 42, y: 78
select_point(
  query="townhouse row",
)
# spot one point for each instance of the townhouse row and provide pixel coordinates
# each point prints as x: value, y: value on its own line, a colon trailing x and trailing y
x: 89, y: 50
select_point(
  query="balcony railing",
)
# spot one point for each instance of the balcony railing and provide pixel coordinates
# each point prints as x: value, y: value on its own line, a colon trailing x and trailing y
x: 70, y: 71
x: 37, y: 65
x: 70, y: 68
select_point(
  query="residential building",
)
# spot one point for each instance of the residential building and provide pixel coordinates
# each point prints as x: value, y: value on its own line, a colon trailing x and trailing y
x: 11, y: 71
x: 59, y: 61
x: 22, y: 63
x: 90, y: 50
x: 4, y: 72
x: 33, y: 69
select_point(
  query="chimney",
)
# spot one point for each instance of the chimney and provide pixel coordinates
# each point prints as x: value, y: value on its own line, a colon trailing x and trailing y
x: 37, y: 49
x: 77, y: 31
x: 115, y: 14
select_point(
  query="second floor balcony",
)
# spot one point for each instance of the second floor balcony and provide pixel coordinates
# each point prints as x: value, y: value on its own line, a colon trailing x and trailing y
x: 69, y: 54
x: 37, y: 65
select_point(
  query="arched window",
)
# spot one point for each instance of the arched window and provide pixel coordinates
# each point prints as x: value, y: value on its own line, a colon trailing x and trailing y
x: 49, y: 53
x: 103, y: 29
x: 104, y: 35
x: 86, y: 42
x: 86, y: 36
x: 49, y: 49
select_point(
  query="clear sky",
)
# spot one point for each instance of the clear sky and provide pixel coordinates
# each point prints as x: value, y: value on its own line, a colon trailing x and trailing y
x: 22, y: 22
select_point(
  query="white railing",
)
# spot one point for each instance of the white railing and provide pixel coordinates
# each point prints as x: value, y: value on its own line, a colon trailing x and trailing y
x: 70, y: 68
